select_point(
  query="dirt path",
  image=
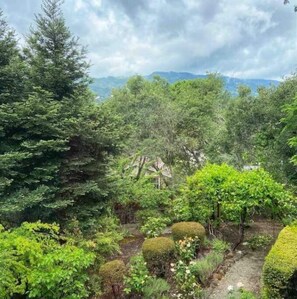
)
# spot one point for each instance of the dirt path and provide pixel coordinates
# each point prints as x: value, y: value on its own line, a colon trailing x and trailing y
x: 247, y: 269
x: 246, y: 272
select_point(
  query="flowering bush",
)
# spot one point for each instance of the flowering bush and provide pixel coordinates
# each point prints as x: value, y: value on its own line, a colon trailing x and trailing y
x: 137, y: 277
x: 186, y: 248
x: 187, y: 286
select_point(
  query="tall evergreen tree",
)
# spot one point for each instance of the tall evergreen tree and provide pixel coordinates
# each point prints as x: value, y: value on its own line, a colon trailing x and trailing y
x: 55, y: 139
x: 55, y: 58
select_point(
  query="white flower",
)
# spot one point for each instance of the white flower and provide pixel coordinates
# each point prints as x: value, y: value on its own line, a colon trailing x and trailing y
x: 240, y: 285
x: 230, y: 288
x: 172, y: 264
x: 188, y: 271
x: 172, y: 270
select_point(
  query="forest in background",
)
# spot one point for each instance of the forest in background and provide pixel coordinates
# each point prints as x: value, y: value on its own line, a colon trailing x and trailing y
x: 154, y: 153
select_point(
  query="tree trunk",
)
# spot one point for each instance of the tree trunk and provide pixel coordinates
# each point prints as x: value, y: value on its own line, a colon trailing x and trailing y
x: 241, y: 228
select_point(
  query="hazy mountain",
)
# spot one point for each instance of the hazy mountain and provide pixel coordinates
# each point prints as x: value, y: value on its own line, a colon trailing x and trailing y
x: 104, y: 86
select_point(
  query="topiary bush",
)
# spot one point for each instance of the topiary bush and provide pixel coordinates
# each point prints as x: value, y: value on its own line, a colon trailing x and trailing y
x: 280, y: 268
x: 112, y: 274
x: 158, y: 252
x: 183, y: 230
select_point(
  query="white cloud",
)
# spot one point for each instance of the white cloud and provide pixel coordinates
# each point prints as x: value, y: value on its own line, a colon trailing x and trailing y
x: 247, y: 38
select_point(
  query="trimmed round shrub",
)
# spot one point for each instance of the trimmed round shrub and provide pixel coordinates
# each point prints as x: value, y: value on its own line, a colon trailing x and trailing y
x: 280, y: 268
x: 158, y: 252
x: 182, y: 230
x: 112, y: 274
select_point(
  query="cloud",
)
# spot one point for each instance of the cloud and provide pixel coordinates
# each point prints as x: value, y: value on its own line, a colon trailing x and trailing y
x: 247, y: 38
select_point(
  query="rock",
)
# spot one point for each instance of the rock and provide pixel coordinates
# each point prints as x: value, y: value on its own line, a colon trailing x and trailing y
x: 230, y: 255
x: 215, y: 282
x: 217, y: 276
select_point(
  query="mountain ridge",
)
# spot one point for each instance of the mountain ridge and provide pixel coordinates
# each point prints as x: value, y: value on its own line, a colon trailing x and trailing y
x: 104, y: 85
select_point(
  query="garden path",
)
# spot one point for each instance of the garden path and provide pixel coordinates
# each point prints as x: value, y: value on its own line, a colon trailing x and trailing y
x: 245, y: 272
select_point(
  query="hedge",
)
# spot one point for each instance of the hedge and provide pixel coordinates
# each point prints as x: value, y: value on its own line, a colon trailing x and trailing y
x: 158, y: 252
x: 182, y: 230
x: 280, y: 268
x: 112, y: 273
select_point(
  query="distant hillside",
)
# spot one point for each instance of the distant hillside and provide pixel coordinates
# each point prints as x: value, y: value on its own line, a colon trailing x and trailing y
x: 104, y: 86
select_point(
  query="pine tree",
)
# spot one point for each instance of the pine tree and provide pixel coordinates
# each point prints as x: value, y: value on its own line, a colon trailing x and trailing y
x: 55, y: 58
x: 55, y: 139
x: 11, y: 67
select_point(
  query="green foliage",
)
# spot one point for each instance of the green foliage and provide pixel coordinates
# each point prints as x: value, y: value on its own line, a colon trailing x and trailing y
x: 183, y: 230
x: 223, y: 193
x: 205, y: 192
x: 204, y: 267
x: 37, y: 262
x: 259, y: 241
x: 137, y: 277
x: 180, y: 209
x: 112, y: 273
x: 156, y: 288
x: 55, y: 140
x: 141, y: 191
x: 143, y: 215
x: 280, y: 268
x: 157, y: 253
x: 55, y: 59
x: 103, y: 239
x: 176, y: 123
x: 154, y: 227
x: 255, y: 132
x: 219, y: 245
x: 12, y: 70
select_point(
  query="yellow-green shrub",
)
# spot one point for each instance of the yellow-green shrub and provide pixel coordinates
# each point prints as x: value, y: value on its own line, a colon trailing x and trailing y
x: 157, y: 253
x: 182, y: 230
x: 280, y: 268
x: 112, y: 273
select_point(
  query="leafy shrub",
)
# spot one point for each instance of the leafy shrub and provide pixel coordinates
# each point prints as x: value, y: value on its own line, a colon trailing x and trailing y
x: 186, y: 282
x: 143, y: 215
x: 155, y: 288
x: 180, y: 209
x: 112, y: 274
x: 142, y: 191
x: 154, y: 227
x: 158, y: 252
x: 186, y: 248
x: 280, y: 267
x: 204, y: 267
x: 35, y: 260
x: 219, y: 245
x: 259, y: 241
x: 103, y: 239
x: 137, y: 276
x: 182, y: 230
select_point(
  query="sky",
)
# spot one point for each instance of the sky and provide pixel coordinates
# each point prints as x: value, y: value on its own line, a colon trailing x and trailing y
x: 245, y: 39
